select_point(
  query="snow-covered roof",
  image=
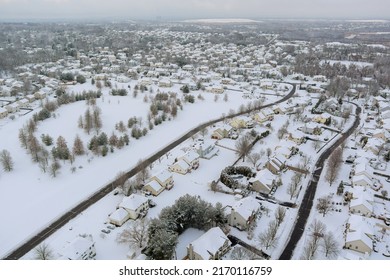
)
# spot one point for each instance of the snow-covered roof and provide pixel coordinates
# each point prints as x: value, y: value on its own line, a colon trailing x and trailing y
x: 209, y: 243
x: 163, y: 175
x: 358, y: 235
x: 357, y: 178
x: 133, y: 201
x: 191, y: 156
x: 361, y: 167
x: 154, y: 185
x: 119, y: 215
x: 246, y: 206
x: 77, y: 247
x: 182, y: 164
x: 357, y: 222
x: 361, y: 201
x: 265, y: 176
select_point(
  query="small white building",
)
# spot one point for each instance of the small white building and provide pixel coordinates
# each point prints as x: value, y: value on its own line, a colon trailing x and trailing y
x: 80, y: 248
x: 3, y: 112
x: 180, y: 167
x: 244, y: 213
x: 263, y: 182
x: 164, y: 178
x: 212, y: 245
x: 119, y: 217
x: 358, y: 241
x: 154, y: 188
x: 191, y: 158
x: 136, y: 205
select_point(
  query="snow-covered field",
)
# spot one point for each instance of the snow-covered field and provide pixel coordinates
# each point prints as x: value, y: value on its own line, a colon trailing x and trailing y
x: 30, y: 199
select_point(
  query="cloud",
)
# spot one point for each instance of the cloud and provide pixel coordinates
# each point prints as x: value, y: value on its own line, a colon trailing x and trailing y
x: 194, y: 8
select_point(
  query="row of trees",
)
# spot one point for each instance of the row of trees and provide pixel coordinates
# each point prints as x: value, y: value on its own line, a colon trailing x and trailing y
x: 268, y: 238
x: 319, y: 237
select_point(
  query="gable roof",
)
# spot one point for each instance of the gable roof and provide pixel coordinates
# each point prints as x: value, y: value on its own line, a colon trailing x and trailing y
x: 209, y: 243
x: 133, y: 201
x: 246, y: 206
x: 163, y: 175
x: 77, y: 247
x: 154, y: 185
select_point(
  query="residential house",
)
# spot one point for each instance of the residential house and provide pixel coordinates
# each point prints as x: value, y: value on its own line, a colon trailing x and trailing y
x: 275, y: 165
x: 153, y: 187
x: 362, y: 206
x: 136, y: 205
x: 164, y: 178
x: 3, y: 112
x: 216, y: 89
x: 261, y: 117
x: 180, y: 166
x: 263, y: 182
x: 23, y: 102
x: 191, y: 158
x: 212, y: 245
x: 40, y: 95
x: 358, y: 241
x: 207, y: 149
x: 268, y: 112
x: 242, y: 122
x: 12, y: 107
x: 359, y: 234
x: 119, y: 217
x: 323, y: 119
x: 265, y: 84
x: 244, y: 213
x: 221, y: 132
x: 311, y: 129
x: 281, y: 109
x: 362, y: 180
x: 165, y: 83
x: 81, y: 248
x: 30, y: 97
x: 296, y: 137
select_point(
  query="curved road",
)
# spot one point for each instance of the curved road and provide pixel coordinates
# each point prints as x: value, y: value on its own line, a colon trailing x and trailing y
x: 61, y: 221
x: 307, y: 201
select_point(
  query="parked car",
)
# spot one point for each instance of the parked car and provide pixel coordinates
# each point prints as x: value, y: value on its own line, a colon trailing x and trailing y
x: 107, y: 231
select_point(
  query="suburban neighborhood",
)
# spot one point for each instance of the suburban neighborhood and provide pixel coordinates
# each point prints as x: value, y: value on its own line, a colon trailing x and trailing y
x: 195, y: 141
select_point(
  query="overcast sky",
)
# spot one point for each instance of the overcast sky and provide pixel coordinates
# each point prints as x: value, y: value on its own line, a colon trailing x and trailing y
x: 191, y: 9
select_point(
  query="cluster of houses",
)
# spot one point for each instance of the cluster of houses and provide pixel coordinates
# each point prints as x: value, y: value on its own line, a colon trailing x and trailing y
x: 366, y: 213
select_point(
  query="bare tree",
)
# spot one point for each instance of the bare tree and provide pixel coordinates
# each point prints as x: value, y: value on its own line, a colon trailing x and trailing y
x: 136, y: 235
x: 43, y: 252
x: 330, y: 245
x: 142, y: 175
x: 333, y: 166
x: 54, y: 167
x: 240, y: 253
x: 243, y: 147
x: 268, y: 152
x: 280, y: 214
x: 204, y: 132
x: 254, y: 158
x: 268, y: 238
x: 6, y: 160
x: 294, y: 185
x: 318, y: 229
x: 324, y: 205
x: 309, y: 250
x: 120, y: 180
